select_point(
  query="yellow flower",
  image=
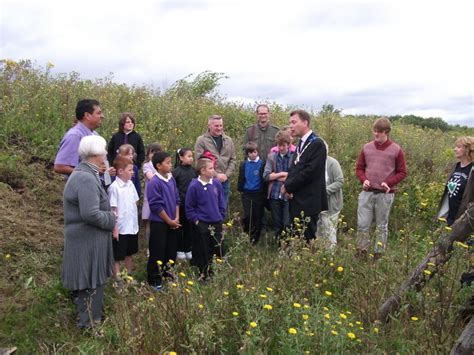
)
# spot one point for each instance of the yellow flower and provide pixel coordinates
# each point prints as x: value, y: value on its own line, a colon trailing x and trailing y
x: 226, y: 293
x: 376, y: 330
x: 187, y: 290
x: 306, y: 306
x: 8, y: 256
x: 275, y: 273
x: 200, y: 306
x: 342, y: 315
x: 151, y: 299
x: 441, y: 219
x: 235, y: 314
x: 253, y: 324
x: 159, y: 262
x: 340, y: 269
x: 182, y: 274
x: 351, y: 335
x: 190, y: 283
x: 305, y: 316
x: 358, y: 322
x: 380, y: 244
x: 326, y: 308
x: 292, y: 331
x: 316, y: 285
x: 414, y: 318
x: 229, y: 224
x: 173, y: 353
x: 174, y: 284
x: 248, y: 332
x: 333, y: 332
x: 269, y: 289
x: 171, y: 262
x: 327, y: 316
x: 449, y: 229
x: 427, y: 272
x: 263, y: 296
x: 239, y: 286
x: 218, y: 260
x: 328, y: 293
x: 268, y: 307
x: 465, y: 246
x: 431, y: 264
x: 331, y: 264
x: 296, y: 305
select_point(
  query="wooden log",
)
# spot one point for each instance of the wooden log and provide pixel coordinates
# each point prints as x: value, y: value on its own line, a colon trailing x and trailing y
x: 461, y: 230
x: 465, y: 343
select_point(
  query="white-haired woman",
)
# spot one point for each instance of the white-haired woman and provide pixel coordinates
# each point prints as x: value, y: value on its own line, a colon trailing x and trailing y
x: 460, y: 182
x: 88, y: 223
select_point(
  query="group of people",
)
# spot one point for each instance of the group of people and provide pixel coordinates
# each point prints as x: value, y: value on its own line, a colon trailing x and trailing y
x: 184, y: 208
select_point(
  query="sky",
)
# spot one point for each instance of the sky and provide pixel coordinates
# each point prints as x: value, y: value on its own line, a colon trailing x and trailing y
x: 364, y: 57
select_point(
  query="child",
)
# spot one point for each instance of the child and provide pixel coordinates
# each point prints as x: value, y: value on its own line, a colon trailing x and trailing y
x: 183, y: 174
x: 276, y: 171
x: 206, y: 209
x: 250, y: 183
x: 148, y: 171
x: 123, y: 201
x: 163, y: 200
x: 128, y: 151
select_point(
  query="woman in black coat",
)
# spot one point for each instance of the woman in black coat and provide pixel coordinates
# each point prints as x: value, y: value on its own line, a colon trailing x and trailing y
x: 126, y: 135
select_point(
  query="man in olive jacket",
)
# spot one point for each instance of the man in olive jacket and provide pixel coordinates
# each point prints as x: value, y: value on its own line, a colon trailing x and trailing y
x: 262, y: 133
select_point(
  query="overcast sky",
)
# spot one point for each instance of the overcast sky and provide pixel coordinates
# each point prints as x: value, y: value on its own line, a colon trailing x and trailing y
x: 366, y: 57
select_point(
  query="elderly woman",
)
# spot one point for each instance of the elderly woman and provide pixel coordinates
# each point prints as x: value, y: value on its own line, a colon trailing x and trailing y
x: 88, y: 223
x: 456, y: 196
x: 126, y: 135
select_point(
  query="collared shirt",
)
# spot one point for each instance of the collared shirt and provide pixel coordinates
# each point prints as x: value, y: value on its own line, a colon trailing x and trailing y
x: 204, y: 183
x: 303, y: 140
x: 124, y: 197
x: 69, y: 146
x: 164, y: 178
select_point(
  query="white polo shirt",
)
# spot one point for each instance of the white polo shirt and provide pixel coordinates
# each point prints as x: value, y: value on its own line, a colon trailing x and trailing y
x: 123, y: 196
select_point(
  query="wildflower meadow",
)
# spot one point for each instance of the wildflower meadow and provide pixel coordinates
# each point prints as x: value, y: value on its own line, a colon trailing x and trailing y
x: 293, y: 298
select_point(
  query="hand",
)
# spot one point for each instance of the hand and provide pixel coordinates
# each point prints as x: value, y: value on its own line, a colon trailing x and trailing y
x: 282, y: 176
x: 174, y: 224
x: 115, y: 233
x: 112, y: 171
x: 222, y: 177
x: 386, y: 187
x: 283, y: 190
x: 366, y: 185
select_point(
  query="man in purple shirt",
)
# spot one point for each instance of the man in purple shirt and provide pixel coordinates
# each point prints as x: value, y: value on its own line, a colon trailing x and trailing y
x: 89, y: 116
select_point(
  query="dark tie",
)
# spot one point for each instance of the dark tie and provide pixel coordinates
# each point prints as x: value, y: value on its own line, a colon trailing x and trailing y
x: 300, y: 146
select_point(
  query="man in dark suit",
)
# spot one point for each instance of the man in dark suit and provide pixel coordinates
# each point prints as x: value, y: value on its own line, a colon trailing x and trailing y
x: 306, y: 182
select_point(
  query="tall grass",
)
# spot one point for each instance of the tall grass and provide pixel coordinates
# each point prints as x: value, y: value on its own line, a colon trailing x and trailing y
x: 262, y: 299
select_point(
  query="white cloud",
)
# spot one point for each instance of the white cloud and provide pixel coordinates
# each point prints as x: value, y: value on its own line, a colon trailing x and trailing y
x: 383, y: 56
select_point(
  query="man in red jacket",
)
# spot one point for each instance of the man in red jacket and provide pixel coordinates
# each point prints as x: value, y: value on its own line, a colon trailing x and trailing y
x: 380, y: 167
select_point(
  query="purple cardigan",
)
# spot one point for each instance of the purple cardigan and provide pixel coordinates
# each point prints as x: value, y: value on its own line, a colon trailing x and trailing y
x: 162, y: 195
x: 205, y: 203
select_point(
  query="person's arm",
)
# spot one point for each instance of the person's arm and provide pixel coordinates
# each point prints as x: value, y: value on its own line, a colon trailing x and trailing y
x: 400, y: 170
x: 89, y: 203
x: 63, y: 169
x: 115, y: 231
x: 337, y: 177
x: 199, y: 147
x: 360, y: 167
x: 140, y: 151
x: 222, y: 202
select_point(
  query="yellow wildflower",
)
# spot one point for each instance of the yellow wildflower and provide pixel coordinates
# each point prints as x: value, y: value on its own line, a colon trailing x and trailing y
x: 331, y: 264
x: 174, y: 284
x: 190, y: 283
x: 263, y: 295
x: 351, y: 335
x: 449, y: 229
x: 414, y: 318
x: 465, y: 246
x: 306, y: 306
x: 441, y: 219
x: 340, y: 269
x: 292, y: 331
x: 226, y: 293
x: 376, y: 330
x: 200, y: 306
x: 229, y: 224
x: 327, y: 316
x: 358, y: 322
x: 296, y: 305
x: 235, y: 314
x: 182, y: 274
x: 218, y: 260
x: 239, y: 286
x: 328, y: 293
x: 380, y: 244
x: 248, y: 332
x: 159, y: 262
x: 268, y: 307
x: 333, y: 332
x: 187, y: 290
x: 171, y: 262
x: 269, y: 289
x: 305, y: 316
x: 342, y: 315
x: 253, y: 324
x: 8, y: 256
x: 151, y: 299
x: 173, y: 353
x: 427, y: 272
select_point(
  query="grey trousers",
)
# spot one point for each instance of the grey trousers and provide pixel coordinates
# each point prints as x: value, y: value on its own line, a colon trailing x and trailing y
x: 89, y: 304
x: 373, y: 204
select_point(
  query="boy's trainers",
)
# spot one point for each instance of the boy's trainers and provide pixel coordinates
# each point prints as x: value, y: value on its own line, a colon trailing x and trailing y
x: 180, y: 255
x: 157, y: 288
x: 189, y: 255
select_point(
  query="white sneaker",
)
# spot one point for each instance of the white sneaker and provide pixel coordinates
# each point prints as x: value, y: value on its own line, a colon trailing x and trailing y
x: 189, y: 255
x: 180, y: 255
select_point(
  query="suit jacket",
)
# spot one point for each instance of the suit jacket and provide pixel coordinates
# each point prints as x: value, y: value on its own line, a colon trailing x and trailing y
x: 306, y: 179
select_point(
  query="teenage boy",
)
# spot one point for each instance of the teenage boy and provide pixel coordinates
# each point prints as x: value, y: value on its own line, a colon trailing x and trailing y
x: 380, y: 167
x: 250, y: 184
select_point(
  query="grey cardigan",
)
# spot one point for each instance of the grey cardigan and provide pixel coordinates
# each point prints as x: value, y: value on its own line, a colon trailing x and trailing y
x: 334, y: 182
x: 88, y: 222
